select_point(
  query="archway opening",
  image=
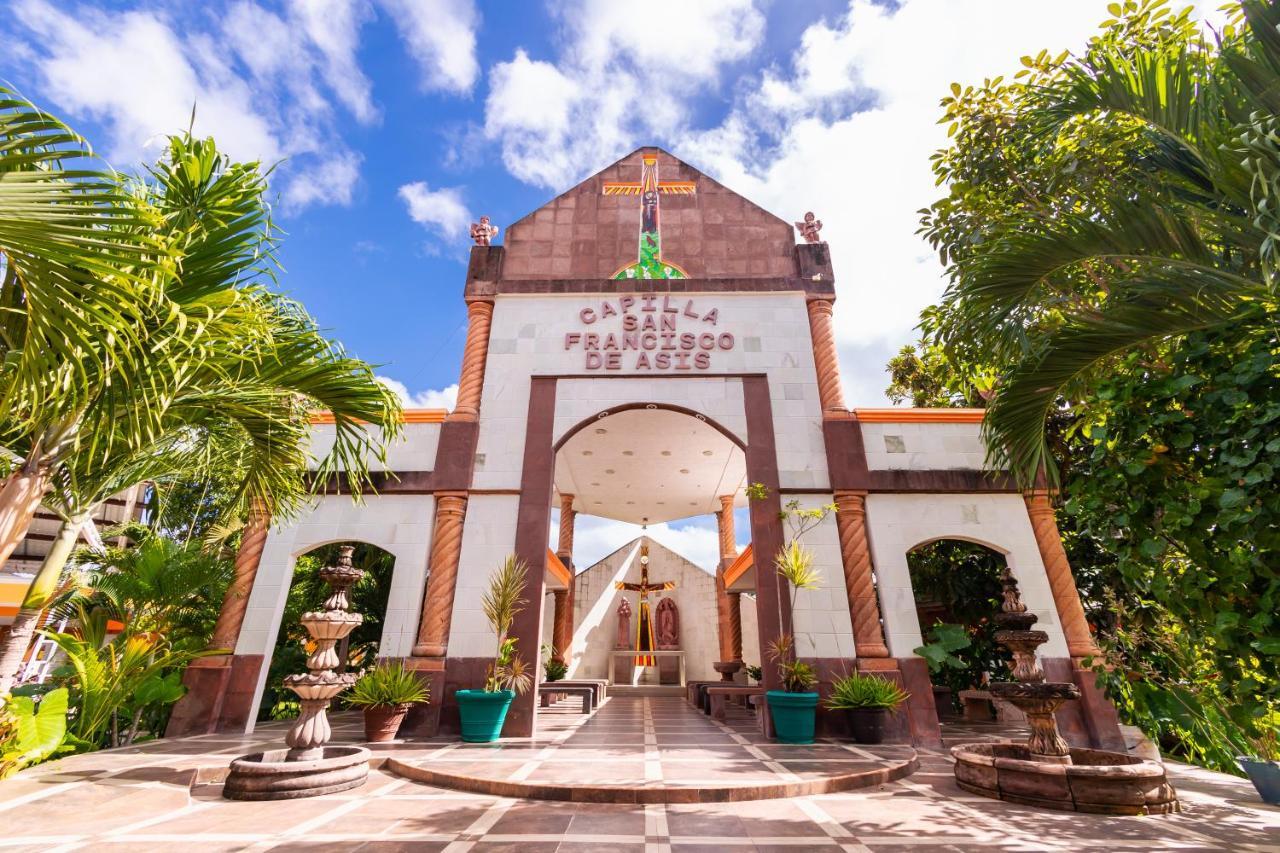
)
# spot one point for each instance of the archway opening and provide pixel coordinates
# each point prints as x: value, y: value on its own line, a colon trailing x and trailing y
x: 307, y: 593
x: 663, y: 485
x: 957, y: 588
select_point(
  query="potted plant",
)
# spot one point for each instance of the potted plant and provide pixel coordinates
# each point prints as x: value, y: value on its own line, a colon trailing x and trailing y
x: 867, y: 702
x: 385, y: 693
x: 1264, y: 767
x: 755, y: 673
x: 794, y: 708
x: 484, y: 711
x: 553, y: 669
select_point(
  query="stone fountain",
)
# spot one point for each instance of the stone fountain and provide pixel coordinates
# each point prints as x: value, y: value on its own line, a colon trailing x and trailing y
x: 309, y: 767
x: 1045, y: 771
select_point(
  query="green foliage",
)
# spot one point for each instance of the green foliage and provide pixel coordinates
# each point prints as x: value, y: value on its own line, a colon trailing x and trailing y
x: 865, y: 691
x: 114, y: 675
x: 755, y: 673
x: 1109, y: 228
x: 368, y: 597
x: 31, y: 732
x: 387, y: 684
x: 796, y: 675
x: 944, y: 640
x: 501, y: 603
x: 553, y: 669
x: 959, y: 582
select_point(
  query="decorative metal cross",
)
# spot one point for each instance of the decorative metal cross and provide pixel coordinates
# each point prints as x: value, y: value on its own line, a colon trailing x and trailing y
x: 650, y: 263
x: 644, y: 625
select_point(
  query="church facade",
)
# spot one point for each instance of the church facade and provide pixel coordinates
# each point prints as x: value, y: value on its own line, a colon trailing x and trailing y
x: 645, y: 347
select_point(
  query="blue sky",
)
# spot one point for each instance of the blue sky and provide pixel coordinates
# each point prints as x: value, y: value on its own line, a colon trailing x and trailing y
x: 393, y: 123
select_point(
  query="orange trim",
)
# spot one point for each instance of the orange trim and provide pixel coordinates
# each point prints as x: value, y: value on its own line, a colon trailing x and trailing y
x: 557, y: 568
x: 8, y: 610
x: 411, y: 416
x: 920, y: 416
x: 739, y: 567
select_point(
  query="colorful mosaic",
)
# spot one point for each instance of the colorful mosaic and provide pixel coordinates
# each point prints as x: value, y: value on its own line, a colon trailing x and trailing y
x: 650, y: 264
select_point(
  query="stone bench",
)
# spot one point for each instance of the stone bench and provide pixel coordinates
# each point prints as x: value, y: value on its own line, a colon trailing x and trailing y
x: 599, y: 685
x: 547, y: 691
x: 717, y: 696
x: 977, y: 708
x: 693, y: 692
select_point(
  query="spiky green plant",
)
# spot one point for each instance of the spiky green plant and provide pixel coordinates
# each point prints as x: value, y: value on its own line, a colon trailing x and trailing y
x: 387, y: 684
x: 501, y: 604
x: 865, y: 691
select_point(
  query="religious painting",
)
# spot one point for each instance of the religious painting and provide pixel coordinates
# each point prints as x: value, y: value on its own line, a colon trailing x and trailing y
x: 650, y: 263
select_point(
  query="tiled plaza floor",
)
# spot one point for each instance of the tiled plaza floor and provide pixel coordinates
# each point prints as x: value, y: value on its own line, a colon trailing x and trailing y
x: 140, y: 799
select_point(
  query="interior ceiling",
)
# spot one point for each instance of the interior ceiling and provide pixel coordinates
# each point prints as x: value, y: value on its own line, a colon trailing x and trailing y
x: 650, y: 465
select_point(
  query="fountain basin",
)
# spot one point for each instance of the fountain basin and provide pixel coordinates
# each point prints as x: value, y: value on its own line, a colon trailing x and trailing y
x: 267, y: 776
x: 1096, y: 781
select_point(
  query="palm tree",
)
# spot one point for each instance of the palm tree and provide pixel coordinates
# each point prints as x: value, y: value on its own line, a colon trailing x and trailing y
x: 235, y: 396
x: 75, y: 263
x: 1193, y: 247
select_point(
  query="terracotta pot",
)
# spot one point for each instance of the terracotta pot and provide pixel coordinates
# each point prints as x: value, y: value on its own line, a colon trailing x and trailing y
x: 381, y: 722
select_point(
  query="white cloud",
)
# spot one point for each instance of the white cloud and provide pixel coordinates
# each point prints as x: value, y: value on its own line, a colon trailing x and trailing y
x: 443, y: 398
x: 595, y: 538
x: 441, y: 37
x: 615, y: 83
x: 441, y: 210
x: 264, y: 84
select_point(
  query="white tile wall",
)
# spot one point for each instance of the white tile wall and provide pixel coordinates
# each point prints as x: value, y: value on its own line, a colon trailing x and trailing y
x: 821, y: 616
x: 920, y: 446
x: 527, y: 339
x: 488, y: 537
x: 898, y: 523
x: 415, y: 450
x: 400, y: 524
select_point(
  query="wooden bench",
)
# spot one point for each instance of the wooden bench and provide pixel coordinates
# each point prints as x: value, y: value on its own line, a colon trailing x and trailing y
x: 717, y: 696
x: 546, y: 691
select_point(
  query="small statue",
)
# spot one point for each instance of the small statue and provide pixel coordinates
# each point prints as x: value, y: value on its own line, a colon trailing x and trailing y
x: 482, y: 232
x: 809, y: 228
x: 624, y: 625
x: 668, y: 624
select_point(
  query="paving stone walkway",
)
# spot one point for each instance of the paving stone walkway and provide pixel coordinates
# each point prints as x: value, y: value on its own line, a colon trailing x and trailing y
x: 142, y: 799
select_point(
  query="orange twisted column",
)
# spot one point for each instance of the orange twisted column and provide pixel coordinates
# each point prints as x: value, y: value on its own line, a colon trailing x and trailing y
x: 826, y: 361
x: 236, y: 599
x: 567, y: 517
x: 864, y: 609
x: 1066, y: 598
x: 471, y: 380
x: 724, y: 607
x: 442, y: 583
x: 735, y: 625
x: 562, y: 623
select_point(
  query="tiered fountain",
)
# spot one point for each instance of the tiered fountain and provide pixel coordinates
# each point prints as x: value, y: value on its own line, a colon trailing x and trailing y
x: 309, y: 767
x: 1045, y: 771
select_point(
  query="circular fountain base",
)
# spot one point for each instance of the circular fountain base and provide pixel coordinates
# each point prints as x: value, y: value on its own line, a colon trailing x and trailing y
x: 267, y: 776
x: 1096, y: 781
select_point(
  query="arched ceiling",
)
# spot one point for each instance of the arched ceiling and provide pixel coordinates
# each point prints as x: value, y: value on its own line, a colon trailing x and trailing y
x: 650, y: 465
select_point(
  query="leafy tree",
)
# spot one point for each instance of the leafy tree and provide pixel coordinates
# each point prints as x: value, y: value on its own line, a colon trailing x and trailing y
x: 1108, y: 233
x: 228, y: 379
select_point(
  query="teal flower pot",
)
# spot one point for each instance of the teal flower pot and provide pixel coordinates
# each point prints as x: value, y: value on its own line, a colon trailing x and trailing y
x: 793, y: 715
x: 483, y: 714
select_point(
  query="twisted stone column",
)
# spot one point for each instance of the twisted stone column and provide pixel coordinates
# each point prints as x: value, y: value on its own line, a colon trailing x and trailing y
x: 563, y: 640
x: 471, y: 380
x: 1066, y: 598
x: 864, y: 609
x: 567, y: 517
x: 724, y: 608
x: 236, y: 599
x: 825, y: 360
x: 735, y: 625
x: 442, y: 583
x: 562, y: 626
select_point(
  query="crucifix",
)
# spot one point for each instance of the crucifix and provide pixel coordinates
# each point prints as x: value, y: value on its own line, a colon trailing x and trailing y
x: 644, y: 624
x: 650, y: 263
